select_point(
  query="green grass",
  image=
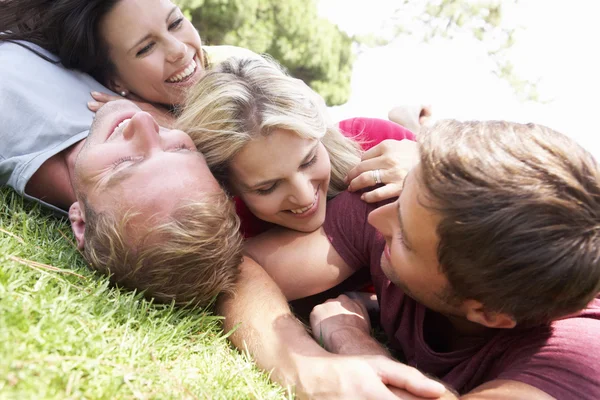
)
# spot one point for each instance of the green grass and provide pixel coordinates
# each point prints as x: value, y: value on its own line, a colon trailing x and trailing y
x: 65, y: 333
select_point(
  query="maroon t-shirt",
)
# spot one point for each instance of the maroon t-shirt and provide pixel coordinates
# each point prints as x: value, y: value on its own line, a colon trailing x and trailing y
x: 367, y: 131
x: 562, y: 359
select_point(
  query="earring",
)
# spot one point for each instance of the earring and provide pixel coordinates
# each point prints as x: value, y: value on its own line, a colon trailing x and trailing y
x: 123, y: 93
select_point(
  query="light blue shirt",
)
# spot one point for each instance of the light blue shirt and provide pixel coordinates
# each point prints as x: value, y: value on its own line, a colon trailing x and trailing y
x: 43, y: 110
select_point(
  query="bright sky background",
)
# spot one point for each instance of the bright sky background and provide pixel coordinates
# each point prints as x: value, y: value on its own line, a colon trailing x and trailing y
x: 558, y: 45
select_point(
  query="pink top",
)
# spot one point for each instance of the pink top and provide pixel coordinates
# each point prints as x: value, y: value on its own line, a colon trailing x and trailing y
x: 561, y: 359
x: 368, y: 131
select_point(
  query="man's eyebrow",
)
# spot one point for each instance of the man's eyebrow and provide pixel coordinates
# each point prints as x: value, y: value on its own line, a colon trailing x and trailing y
x: 148, y: 36
x: 305, y: 160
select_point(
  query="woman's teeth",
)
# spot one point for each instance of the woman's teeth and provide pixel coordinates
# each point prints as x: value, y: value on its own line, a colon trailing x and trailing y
x: 186, y: 73
x: 304, y: 209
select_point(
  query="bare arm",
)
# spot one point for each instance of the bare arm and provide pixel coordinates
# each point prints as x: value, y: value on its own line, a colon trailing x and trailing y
x: 265, y: 322
x: 343, y: 326
x: 302, y: 264
x: 265, y: 327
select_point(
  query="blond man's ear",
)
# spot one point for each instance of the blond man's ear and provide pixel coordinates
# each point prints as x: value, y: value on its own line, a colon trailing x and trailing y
x: 77, y: 218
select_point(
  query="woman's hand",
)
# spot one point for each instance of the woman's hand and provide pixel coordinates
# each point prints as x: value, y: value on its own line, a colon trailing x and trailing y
x: 386, y: 163
x: 161, y: 114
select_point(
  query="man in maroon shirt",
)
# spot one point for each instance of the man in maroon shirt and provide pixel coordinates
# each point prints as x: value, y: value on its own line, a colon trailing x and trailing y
x: 486, y: 268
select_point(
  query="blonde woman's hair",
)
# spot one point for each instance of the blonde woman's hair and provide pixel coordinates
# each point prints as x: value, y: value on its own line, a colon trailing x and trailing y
x: 243, y: 99
x: 190, y: 258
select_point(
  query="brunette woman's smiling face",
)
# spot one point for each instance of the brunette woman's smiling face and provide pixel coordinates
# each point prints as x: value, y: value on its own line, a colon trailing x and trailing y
x: 156, y: 51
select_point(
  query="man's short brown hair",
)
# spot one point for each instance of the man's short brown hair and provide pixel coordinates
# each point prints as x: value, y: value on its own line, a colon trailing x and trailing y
x: 520, y: 209
x: 190, y: 258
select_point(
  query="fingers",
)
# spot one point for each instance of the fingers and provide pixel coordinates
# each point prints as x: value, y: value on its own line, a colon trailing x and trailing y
x: 393, y: 177
x: 95, y: 105
x: 354, y: 302
x: 394, y: 158
x: 403, y: 394
x: 379, y: 156
x: 375, y: 151
x: 389, y: 191
x: 370, y: 165
x: 381, y: 392
x: 409, y: 379
x: 100, y: 100
x: 369, y: 300
x: 364, y: 180
x: 105, y: 97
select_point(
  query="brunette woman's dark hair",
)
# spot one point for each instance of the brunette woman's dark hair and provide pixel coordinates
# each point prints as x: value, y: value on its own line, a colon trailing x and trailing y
x: 68, y: 28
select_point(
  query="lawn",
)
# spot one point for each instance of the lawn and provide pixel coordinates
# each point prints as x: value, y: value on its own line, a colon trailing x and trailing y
x: 65, y: 333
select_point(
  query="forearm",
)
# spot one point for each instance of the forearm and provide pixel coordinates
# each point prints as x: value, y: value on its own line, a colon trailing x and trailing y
x: 266, y: 328
x: 342, y: 325
x: 352, y: 341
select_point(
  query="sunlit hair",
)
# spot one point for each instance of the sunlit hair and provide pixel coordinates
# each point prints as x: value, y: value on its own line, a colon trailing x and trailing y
x: 190, y: 258
x: 520, y: 216
x: 243, y: 99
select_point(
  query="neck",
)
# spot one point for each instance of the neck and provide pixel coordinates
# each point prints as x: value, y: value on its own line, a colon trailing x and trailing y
x: 465, y: 327
x: 459, y: 333
x: 70, y: 157
x: 53, y: 181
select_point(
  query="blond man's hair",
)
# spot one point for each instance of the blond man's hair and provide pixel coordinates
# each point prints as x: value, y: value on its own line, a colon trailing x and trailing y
x: 520, y: 216
x: 243, y: 99
x: 190, y: 258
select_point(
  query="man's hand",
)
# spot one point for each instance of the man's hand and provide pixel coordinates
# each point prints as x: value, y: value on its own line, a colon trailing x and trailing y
x: 389, y: 162
x: 335, y: 315
x: 366, y: 378
x: 342, y: 325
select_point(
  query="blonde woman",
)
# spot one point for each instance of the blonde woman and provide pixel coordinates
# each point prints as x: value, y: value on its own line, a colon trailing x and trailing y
x: 268, y: 139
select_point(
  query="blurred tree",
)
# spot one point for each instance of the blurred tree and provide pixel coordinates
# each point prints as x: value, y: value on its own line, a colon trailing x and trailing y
x: 318, y: 52
x: 310, y: 47
x: 483, y: 19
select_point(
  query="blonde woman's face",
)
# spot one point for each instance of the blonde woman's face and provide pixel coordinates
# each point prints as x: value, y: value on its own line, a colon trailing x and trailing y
x: 283, y: 179
x: 155, y: 49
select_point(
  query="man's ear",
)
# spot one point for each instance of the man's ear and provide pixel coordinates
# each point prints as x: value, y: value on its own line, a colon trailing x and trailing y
x: 77, y: 218
x: 476, y: 312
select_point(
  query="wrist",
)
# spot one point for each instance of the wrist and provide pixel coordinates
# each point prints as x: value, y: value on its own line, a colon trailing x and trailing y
x: 296, y: 354
x: 354, y: 341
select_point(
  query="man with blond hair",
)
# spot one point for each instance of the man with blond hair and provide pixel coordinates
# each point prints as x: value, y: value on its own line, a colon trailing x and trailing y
x: 143, y: 205
x: 171, y: 232
x: 487, y: 272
